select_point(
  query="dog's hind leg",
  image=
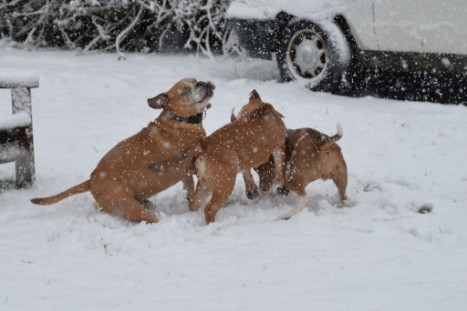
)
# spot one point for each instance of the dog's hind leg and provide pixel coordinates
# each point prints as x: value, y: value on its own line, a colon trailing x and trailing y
x: 218, y: 200
x: 340, y: 180
x: 250, y: 185
x: 278, y: 155
x: 146, y: 203
x: 297, y: 184
x: 221, y: 182
x: 188, y: 186
x: 202, y: 189
x: 113, y: 198
x: 199, y: 197
x: 266, y: 173
x: 299, y: 206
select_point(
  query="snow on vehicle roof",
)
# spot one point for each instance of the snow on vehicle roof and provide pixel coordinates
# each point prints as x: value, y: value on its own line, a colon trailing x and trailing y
x: 266, y: 9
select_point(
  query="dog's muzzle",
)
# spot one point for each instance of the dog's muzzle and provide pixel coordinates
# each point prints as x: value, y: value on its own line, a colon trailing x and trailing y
x: 204, y: 90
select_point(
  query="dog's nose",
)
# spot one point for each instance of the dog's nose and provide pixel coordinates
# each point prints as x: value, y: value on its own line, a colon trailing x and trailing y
x: 206, y: 85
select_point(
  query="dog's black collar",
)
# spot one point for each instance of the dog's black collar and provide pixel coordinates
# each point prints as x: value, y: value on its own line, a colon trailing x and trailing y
x: 196, y: 119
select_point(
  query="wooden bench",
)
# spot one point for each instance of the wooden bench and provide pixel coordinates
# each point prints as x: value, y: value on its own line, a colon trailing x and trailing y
x: 16, y: 136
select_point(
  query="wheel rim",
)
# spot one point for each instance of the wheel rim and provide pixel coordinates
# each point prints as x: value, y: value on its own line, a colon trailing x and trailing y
x: 307, y: 55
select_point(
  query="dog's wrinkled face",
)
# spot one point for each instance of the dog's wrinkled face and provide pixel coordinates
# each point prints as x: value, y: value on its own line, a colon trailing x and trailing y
x: 186, y: 98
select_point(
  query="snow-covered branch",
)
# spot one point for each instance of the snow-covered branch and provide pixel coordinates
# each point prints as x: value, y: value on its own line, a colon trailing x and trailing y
x: 113, y: 24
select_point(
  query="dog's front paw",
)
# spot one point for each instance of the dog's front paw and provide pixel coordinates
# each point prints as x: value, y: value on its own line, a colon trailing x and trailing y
x: 282, y: 190
x: 252, y: 195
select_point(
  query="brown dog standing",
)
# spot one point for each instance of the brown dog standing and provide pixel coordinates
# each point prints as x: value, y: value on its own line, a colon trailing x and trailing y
x: 314, y: 156
x: 122, y: 181
x: 239, y: 146
x: 310, y: 155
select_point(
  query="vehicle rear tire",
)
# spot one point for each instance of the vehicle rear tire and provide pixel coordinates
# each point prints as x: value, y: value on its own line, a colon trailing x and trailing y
x: 316, y: 54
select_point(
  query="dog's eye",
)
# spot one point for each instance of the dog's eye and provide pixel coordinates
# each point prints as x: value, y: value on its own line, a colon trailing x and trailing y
x: 186, y: 91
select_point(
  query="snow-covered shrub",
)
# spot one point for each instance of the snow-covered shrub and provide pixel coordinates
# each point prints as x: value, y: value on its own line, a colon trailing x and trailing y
x: 133, y: 25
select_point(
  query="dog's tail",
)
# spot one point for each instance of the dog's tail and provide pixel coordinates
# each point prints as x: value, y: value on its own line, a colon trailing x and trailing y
x: 200, y: 165
x: 325, y: 140
x: 82, y: 187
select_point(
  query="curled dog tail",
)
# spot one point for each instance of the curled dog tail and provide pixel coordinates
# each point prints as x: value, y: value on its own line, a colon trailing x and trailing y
x: 82, y: 187
x: 232, y: 115
x: 326, y: 140
x: 339, y: 134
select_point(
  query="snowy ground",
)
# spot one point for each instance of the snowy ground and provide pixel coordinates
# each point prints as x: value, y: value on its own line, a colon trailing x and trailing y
x: 377, y: 254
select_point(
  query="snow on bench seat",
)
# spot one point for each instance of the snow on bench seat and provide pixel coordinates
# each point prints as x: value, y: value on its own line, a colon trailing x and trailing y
x: 14, y: 80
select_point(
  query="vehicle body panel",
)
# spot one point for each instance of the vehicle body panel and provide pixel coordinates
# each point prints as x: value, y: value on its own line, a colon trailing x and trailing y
x: 420, y: 26
x: 423, y: 26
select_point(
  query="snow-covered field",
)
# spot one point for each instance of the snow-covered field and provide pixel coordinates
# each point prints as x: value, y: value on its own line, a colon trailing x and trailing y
x: 376, y: 254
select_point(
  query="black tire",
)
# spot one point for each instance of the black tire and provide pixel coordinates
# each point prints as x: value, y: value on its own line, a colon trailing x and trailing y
x: 313, y: 54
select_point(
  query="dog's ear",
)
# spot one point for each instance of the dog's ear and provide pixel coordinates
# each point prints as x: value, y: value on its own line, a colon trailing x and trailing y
x: 158, y: 102
x: 254, y: 95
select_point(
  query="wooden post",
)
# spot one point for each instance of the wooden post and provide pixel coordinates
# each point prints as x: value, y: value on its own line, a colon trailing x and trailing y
x: 24, y: 164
